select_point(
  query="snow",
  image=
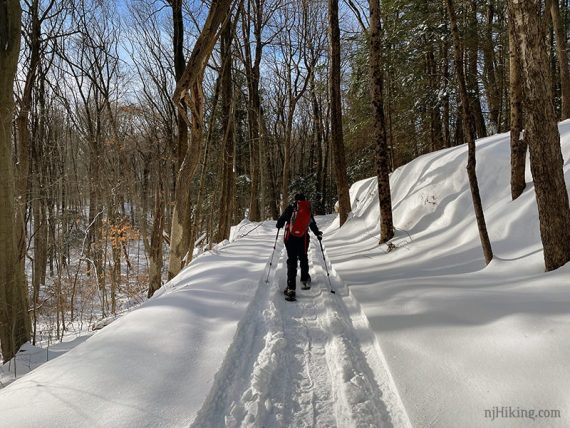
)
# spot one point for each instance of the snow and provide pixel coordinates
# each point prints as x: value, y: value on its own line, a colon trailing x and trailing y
x: 421, y: 335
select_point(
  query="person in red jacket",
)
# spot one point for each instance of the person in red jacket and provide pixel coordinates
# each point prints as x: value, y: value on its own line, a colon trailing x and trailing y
x: 298, y: 219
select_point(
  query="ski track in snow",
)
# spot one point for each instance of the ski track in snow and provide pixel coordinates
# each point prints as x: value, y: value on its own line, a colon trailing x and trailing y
x: 301, y: 364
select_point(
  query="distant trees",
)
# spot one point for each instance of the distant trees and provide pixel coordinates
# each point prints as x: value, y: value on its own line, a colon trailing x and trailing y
x: 154, y: 137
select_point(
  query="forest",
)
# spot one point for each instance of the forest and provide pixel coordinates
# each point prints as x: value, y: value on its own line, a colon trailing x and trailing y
x: 135, y: 133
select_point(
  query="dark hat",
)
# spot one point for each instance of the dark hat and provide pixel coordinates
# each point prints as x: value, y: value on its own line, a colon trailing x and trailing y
x: 299, y: 197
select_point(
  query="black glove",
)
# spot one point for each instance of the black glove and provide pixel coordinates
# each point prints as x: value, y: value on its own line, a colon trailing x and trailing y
x: 320, y: 235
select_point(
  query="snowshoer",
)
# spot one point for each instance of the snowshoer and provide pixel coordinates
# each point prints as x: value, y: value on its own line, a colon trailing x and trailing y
x: 299, y: 218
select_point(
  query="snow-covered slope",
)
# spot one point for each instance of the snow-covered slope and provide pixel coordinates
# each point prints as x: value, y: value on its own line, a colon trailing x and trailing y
x: 461, y: 338
x: 425, y: 335
x: 154, y: 366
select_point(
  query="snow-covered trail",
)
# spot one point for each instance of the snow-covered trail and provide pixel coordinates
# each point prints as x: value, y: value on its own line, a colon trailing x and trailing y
x: 309, y: 363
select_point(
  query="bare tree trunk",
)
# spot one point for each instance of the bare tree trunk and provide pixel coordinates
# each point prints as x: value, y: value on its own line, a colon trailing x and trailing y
x: 490, y: 74
x: 272, y: 185
x: 518, y: 143
x: 336, y: 114
x: 471, y: 79
x: 24, y: 136
x: 189, y: 87
x: 14, y: 320
x: 376, y: 82
x: 542, y: 134
x: 445, y: 102
x: 318, y: 135
x: 468, y: 134
x: 180, y: 251
x: 227, y: 158
x: 155, y: 253
x: 562, y: 58
x: 252, y: 69
x: 179, y: 64
x: 284, y: 200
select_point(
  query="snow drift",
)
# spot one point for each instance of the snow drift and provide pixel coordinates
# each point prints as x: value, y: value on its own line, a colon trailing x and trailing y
x: 462, y: 340
x: 460, y: 343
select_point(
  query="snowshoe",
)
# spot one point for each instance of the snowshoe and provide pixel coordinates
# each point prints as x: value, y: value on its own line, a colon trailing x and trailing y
x: 306, y: 283
x: 290, y: 295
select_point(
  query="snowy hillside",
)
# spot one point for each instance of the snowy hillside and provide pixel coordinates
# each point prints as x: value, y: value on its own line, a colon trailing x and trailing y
x: 461, y: 338
x: 424, y: 335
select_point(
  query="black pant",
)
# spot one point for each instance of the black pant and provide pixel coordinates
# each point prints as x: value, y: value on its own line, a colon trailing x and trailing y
x: 297, y: 249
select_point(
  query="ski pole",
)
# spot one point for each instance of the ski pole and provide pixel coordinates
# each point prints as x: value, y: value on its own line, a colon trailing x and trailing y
x: 326, y: 267
x: 271, y: 260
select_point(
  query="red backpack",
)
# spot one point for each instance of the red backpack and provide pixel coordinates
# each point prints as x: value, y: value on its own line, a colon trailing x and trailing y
x: 300, y: 219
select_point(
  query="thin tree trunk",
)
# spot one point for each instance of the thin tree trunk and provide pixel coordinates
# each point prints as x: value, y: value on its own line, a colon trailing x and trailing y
x: 318, y: 135
x: 155, y: 253
x: 542, y: 134
x: 379, y: 126
x: 490, y: 75
x: 518, y: 143
x: 252, y: 68
x: 471, y: 79
x: 445, y: 102
x: 468, y: 134
x: 227, y: 155
x: 179, y: 64
x: 336, y: 114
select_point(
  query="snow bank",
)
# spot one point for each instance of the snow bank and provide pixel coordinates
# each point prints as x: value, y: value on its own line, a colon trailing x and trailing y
x: 154, y: 366
x: 463, y: 342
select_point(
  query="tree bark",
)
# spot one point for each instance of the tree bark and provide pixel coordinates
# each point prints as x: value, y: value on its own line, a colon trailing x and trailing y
x: 471, y: 78
x: 489, y: 70
x: 379, y: 126
x: 468, y: 135
x: 336, y: 114
x: 445, y: 101
x: 518, y: 143
x: 227, y: 158
x: 14, y: 320
x: 155, y: 253
x: 179, y: 65
x: 542, y: 134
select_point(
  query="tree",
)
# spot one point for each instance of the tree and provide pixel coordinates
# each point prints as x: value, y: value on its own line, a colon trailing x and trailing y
x: 518, y: 143
x: 179, y: 64
x: 14, y: 319
x: 541, y: 132
x: 336, y: 114
x: 471, y: 55
x: 468, y: 130
x: 227, y: 156
x: 379, y: 126
x: 189, y: 92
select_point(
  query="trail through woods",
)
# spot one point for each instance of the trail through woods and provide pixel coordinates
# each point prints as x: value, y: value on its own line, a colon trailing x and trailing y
x: 308, y: 363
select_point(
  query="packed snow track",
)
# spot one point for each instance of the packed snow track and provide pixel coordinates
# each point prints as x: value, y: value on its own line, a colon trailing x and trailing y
x: 309, y: 363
